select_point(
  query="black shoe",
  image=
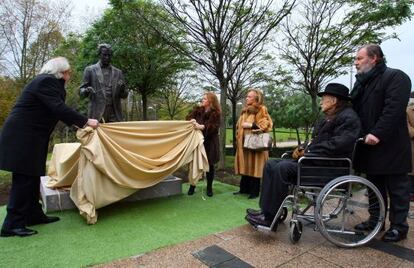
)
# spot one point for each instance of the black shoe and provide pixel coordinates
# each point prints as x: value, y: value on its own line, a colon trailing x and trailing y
x: 393, y: 235
x: 17, y: 232
x: 210, y: 192
x: 44, y: 220
x: 253, y: 196
x: 367, y: 226
x: 253, y: 212
x: 260, y: 220
x: 191, y: 190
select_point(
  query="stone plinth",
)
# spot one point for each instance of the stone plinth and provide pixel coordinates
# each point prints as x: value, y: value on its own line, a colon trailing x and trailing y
x: 56, y: 200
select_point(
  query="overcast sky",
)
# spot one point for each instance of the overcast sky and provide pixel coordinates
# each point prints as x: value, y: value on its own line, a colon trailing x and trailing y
x: 399, y: 53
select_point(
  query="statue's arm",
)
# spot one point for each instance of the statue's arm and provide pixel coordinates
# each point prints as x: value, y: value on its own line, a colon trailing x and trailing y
x: 85, y: 89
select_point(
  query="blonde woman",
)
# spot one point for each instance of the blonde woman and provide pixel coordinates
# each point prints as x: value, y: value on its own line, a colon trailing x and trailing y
x: 249, y: 164
x: 410, y: 123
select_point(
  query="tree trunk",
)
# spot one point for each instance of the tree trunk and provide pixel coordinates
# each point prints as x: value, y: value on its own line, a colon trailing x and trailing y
x: 298, y: 136
x: 314, y: 106
x: 223, y: 98
x: 134, y: 108
x: 144, y: 107
x: 234, y: 115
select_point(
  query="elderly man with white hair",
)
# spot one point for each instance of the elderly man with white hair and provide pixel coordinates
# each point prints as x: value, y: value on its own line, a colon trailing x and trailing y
x: 24, y: 143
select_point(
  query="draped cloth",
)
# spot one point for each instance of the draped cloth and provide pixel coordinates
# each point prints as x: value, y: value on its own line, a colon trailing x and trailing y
x: 115, y: 160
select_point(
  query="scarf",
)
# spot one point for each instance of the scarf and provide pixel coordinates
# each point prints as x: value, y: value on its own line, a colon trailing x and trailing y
x: 251, y: 109
x: 362, y: 79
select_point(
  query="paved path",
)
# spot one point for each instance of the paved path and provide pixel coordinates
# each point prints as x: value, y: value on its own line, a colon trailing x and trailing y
x: 254, y: 249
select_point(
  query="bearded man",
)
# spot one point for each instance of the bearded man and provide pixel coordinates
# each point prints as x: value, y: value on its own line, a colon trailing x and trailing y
x: 380, y: 96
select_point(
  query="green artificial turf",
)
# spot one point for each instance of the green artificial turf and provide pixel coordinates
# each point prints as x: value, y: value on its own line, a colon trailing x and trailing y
x: 126, y: 229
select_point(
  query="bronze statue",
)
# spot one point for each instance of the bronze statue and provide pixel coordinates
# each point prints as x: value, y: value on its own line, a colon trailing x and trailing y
x: 105, y: 86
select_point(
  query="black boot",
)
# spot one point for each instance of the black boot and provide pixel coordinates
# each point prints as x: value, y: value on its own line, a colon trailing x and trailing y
x: 210, y: 188
x: 191, y: 190
x: 254, y: 188
x: 244, y: 185
x: 210, y: 177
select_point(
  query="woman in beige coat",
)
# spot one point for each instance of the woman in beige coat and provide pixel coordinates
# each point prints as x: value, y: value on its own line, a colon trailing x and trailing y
x: 249, y: 164
x: 410, y: 123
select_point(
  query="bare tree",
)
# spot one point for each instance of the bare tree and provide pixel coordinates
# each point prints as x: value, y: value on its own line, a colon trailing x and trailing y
x: 221, y: 35
x: 322, y: 36
x: 177, y: 97
x: 29, y: 27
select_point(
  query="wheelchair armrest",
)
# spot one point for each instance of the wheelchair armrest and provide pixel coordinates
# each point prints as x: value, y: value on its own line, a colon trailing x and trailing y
x: 304, y: 159
x: 287, y: 155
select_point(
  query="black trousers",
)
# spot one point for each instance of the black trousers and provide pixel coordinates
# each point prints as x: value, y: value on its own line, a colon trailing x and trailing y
x: 411, y: 178
x: 277, y: 176
x: 23, y: 202
x: 397, y: 187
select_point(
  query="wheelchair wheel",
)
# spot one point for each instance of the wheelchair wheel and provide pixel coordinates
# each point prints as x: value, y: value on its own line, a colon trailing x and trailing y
x: 342, y: 204
x: 283, y: 216
x: 295, y: 231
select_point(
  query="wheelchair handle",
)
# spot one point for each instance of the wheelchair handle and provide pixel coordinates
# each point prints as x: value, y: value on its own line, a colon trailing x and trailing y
x: 362, y: 139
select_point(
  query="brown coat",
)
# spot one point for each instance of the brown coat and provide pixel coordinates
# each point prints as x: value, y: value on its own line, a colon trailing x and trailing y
x: 251, y: 163
x: 211, y: 121
x: 410, y: 123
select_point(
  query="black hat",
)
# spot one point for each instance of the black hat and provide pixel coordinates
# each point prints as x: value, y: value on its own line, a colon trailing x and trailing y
x: 337, y: 90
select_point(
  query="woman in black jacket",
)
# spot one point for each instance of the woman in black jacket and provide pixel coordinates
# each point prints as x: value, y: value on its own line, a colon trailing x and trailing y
x: 206, y: 117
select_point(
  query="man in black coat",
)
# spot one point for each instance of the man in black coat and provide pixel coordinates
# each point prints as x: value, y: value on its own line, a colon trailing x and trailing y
x: 24, y: 143
x: 380, y: 96
x: 334, y: 136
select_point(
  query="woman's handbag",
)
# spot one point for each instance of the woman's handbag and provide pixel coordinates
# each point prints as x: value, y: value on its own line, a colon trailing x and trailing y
x: 258, y: 142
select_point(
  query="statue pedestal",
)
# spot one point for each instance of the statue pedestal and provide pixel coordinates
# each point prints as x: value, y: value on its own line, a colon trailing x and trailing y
x: 57, y: 200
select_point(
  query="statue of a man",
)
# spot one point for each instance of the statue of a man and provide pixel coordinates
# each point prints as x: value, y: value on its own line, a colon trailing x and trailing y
x: 105, y: 86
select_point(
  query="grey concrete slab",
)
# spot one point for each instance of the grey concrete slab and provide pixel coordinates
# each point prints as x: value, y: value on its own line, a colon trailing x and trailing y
x: 59, y: 199
x: 393, y: 249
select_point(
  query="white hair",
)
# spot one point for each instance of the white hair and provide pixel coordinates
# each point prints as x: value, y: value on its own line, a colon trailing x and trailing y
x: 56, y: 66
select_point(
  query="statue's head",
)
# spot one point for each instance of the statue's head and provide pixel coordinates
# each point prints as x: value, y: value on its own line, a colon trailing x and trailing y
x: 105, y: 54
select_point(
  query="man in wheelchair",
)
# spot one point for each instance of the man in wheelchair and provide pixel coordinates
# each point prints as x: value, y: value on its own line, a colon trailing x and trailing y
x: 334, y: 136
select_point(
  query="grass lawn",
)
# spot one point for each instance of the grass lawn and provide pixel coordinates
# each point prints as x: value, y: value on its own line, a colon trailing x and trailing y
x: 126, y: 229
x: 5, y: 177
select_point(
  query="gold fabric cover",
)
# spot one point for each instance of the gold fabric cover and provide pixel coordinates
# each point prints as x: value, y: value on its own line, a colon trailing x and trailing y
x: 116, y: 159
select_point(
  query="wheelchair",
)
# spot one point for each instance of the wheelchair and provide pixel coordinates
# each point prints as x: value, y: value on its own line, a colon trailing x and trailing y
x: 327, y: 195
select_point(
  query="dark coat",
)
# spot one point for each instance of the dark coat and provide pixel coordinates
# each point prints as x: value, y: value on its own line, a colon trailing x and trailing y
x: 382, y: 110
x: 25, y: 136
x: 335, y: 137
x: 211, y: 121
x: 93, y: 77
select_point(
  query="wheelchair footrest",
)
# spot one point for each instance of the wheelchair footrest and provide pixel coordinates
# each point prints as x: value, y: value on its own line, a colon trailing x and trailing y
x: 263, y: 229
